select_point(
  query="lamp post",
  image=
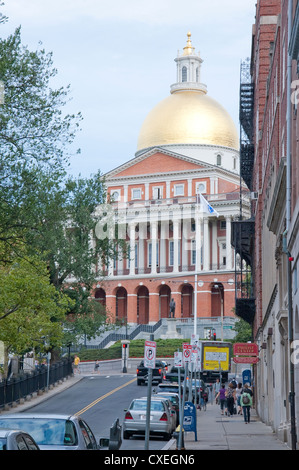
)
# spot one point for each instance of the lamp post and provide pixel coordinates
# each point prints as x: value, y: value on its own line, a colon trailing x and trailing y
x: 218, y: 286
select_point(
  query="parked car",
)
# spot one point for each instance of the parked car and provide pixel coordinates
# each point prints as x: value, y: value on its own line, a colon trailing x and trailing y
x: 161, y: 420
x: 53, y: 432
x: 200, y: 388
x: 157, y: 373
x: 14, y: 439
x: 169, y: 387
x: 174, y: 399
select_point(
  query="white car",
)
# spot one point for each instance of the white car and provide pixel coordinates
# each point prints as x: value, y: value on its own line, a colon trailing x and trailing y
x: 161, y: 418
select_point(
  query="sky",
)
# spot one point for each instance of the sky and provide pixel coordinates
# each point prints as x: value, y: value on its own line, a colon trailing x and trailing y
x: 118, y: 57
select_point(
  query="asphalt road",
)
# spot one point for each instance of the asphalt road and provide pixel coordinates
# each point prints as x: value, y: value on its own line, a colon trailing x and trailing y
x: 100, y: 400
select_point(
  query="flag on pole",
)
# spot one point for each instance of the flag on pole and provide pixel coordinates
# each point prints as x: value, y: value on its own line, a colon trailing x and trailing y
x: 206, y: 207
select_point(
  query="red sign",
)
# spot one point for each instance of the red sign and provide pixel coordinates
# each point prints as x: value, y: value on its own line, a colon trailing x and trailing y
x: 246, y: 360
x: 246, y: 349
x: 187, y: 348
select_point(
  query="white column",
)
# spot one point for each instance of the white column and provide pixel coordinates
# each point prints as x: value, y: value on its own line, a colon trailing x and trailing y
x: 163, y: 237
x: 132, y: 249
x: 206, y: 243
x: 176, y: 241
x: 228, y: 244
x: 142, y: 236
x: 154, y: 236
x: 198, y: 242
x: 214, y: 246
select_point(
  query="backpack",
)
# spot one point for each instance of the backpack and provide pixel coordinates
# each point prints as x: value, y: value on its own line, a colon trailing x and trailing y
x: 246, y: 399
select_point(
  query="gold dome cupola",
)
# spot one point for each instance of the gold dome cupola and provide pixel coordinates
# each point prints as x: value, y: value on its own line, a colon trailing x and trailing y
x: 188, y: 70
x: 188, y: 116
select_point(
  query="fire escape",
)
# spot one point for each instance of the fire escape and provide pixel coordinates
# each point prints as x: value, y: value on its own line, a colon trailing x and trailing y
x: 243, y: 229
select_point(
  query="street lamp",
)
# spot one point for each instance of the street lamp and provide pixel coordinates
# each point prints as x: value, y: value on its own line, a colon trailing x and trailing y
x: 220, y: 287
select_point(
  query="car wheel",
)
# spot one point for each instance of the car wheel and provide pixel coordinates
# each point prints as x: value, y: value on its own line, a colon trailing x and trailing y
x: 127, y: 435
x: 167, y: 436
x: 138, y: 382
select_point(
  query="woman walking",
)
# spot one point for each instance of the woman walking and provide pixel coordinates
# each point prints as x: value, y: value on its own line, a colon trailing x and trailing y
x: 221, y: 397
x: 239, y: 390
x: 230, y: 399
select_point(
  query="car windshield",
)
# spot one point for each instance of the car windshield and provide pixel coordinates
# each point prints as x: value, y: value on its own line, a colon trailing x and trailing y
x: 45, y: 431
x: 142, y: 405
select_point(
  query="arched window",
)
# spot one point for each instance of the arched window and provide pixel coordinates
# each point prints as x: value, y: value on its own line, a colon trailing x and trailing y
x: 184, y: 74
x: 197, y: 74
x: 219, y: 160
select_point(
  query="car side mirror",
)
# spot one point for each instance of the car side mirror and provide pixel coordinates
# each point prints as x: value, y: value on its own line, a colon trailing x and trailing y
x: 104, y: 443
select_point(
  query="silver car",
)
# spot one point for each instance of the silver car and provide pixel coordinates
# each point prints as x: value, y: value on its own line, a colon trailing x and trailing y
x: 14, y: 439
x: 161, y: 418
x: 53, y: 432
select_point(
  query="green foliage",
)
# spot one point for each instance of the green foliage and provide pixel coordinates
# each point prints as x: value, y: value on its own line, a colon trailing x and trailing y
x: 243, y: 331
x: 165, y: 348
x: 31, y: 309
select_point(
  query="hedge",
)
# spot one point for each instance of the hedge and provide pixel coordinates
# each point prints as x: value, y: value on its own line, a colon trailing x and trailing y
x: 165, y: 348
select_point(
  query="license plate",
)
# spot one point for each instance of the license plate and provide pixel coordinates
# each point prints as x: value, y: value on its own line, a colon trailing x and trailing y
x: 143, y: 417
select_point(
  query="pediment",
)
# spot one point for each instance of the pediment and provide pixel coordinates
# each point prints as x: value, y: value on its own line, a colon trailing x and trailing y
x: 156, y: 161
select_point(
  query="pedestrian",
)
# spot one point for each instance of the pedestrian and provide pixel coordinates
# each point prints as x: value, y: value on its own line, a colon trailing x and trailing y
x: 216, y: 388
x: 230, y: 399
x: 239, y: 390
x: 221, y: 398
x: 205, y: 399
x: 76, y: 364
x: 246, y: 403
x: 97, y: 367
x: 172, y: 308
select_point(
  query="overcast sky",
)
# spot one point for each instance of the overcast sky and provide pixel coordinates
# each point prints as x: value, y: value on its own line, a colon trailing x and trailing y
x: 118, y: 57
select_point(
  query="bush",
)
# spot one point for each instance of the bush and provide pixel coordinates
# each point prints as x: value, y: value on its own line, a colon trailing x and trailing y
x: 165, y: 348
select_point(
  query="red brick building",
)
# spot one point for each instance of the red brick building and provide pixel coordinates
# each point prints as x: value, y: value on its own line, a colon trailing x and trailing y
x: 188, y: 144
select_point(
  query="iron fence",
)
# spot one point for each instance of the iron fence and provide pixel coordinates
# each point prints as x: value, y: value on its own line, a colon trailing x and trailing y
x: 15, y: 388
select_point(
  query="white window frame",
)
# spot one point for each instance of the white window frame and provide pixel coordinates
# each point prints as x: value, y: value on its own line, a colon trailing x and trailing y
x: 159, y: 190
x: 204, y: 183
x: 176, y: 189
x: 135, y: 190
x: 149, y: 254
x: 171, y: 253
x: 113, y: 193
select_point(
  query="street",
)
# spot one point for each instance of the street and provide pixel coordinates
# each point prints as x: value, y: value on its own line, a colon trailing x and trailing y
x: 100, y: 400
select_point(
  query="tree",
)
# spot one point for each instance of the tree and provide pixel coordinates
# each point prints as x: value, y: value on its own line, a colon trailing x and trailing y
x: 40, y: 207
x: 31, y: 309
x: 243, y: 330
x: 35, y: 137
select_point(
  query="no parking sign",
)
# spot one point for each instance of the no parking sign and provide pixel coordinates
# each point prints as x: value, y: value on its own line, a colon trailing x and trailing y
x: 187, y: 348
x: 150, y: 348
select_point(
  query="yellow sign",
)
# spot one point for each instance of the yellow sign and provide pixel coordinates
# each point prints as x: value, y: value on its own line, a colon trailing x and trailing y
x: 215, y: 358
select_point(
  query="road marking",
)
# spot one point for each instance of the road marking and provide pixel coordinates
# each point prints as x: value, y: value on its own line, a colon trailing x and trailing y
x: 102, y: 397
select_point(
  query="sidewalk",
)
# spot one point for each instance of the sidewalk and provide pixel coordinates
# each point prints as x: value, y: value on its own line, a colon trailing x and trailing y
x: 217, y: 432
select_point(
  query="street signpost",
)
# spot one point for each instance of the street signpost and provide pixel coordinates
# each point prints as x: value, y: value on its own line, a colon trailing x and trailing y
x: 150, y: 348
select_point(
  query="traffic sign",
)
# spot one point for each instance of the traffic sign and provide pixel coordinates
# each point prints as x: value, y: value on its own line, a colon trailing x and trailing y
x: 178, y: 359
x: 187, y: 348
x: 150, y: 348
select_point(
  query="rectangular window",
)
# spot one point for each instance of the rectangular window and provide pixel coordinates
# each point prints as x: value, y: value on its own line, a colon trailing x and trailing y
x: 136, y: 193
x: 149, y: 254
x: 179, y: 190
x: 171, y: 252
x: 158, y: 192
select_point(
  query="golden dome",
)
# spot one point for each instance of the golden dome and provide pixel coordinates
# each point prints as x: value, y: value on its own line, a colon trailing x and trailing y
x: 188, y: 117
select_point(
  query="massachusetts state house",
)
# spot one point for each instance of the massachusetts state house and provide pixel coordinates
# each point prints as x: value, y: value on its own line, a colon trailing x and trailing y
x: 188, y: 145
